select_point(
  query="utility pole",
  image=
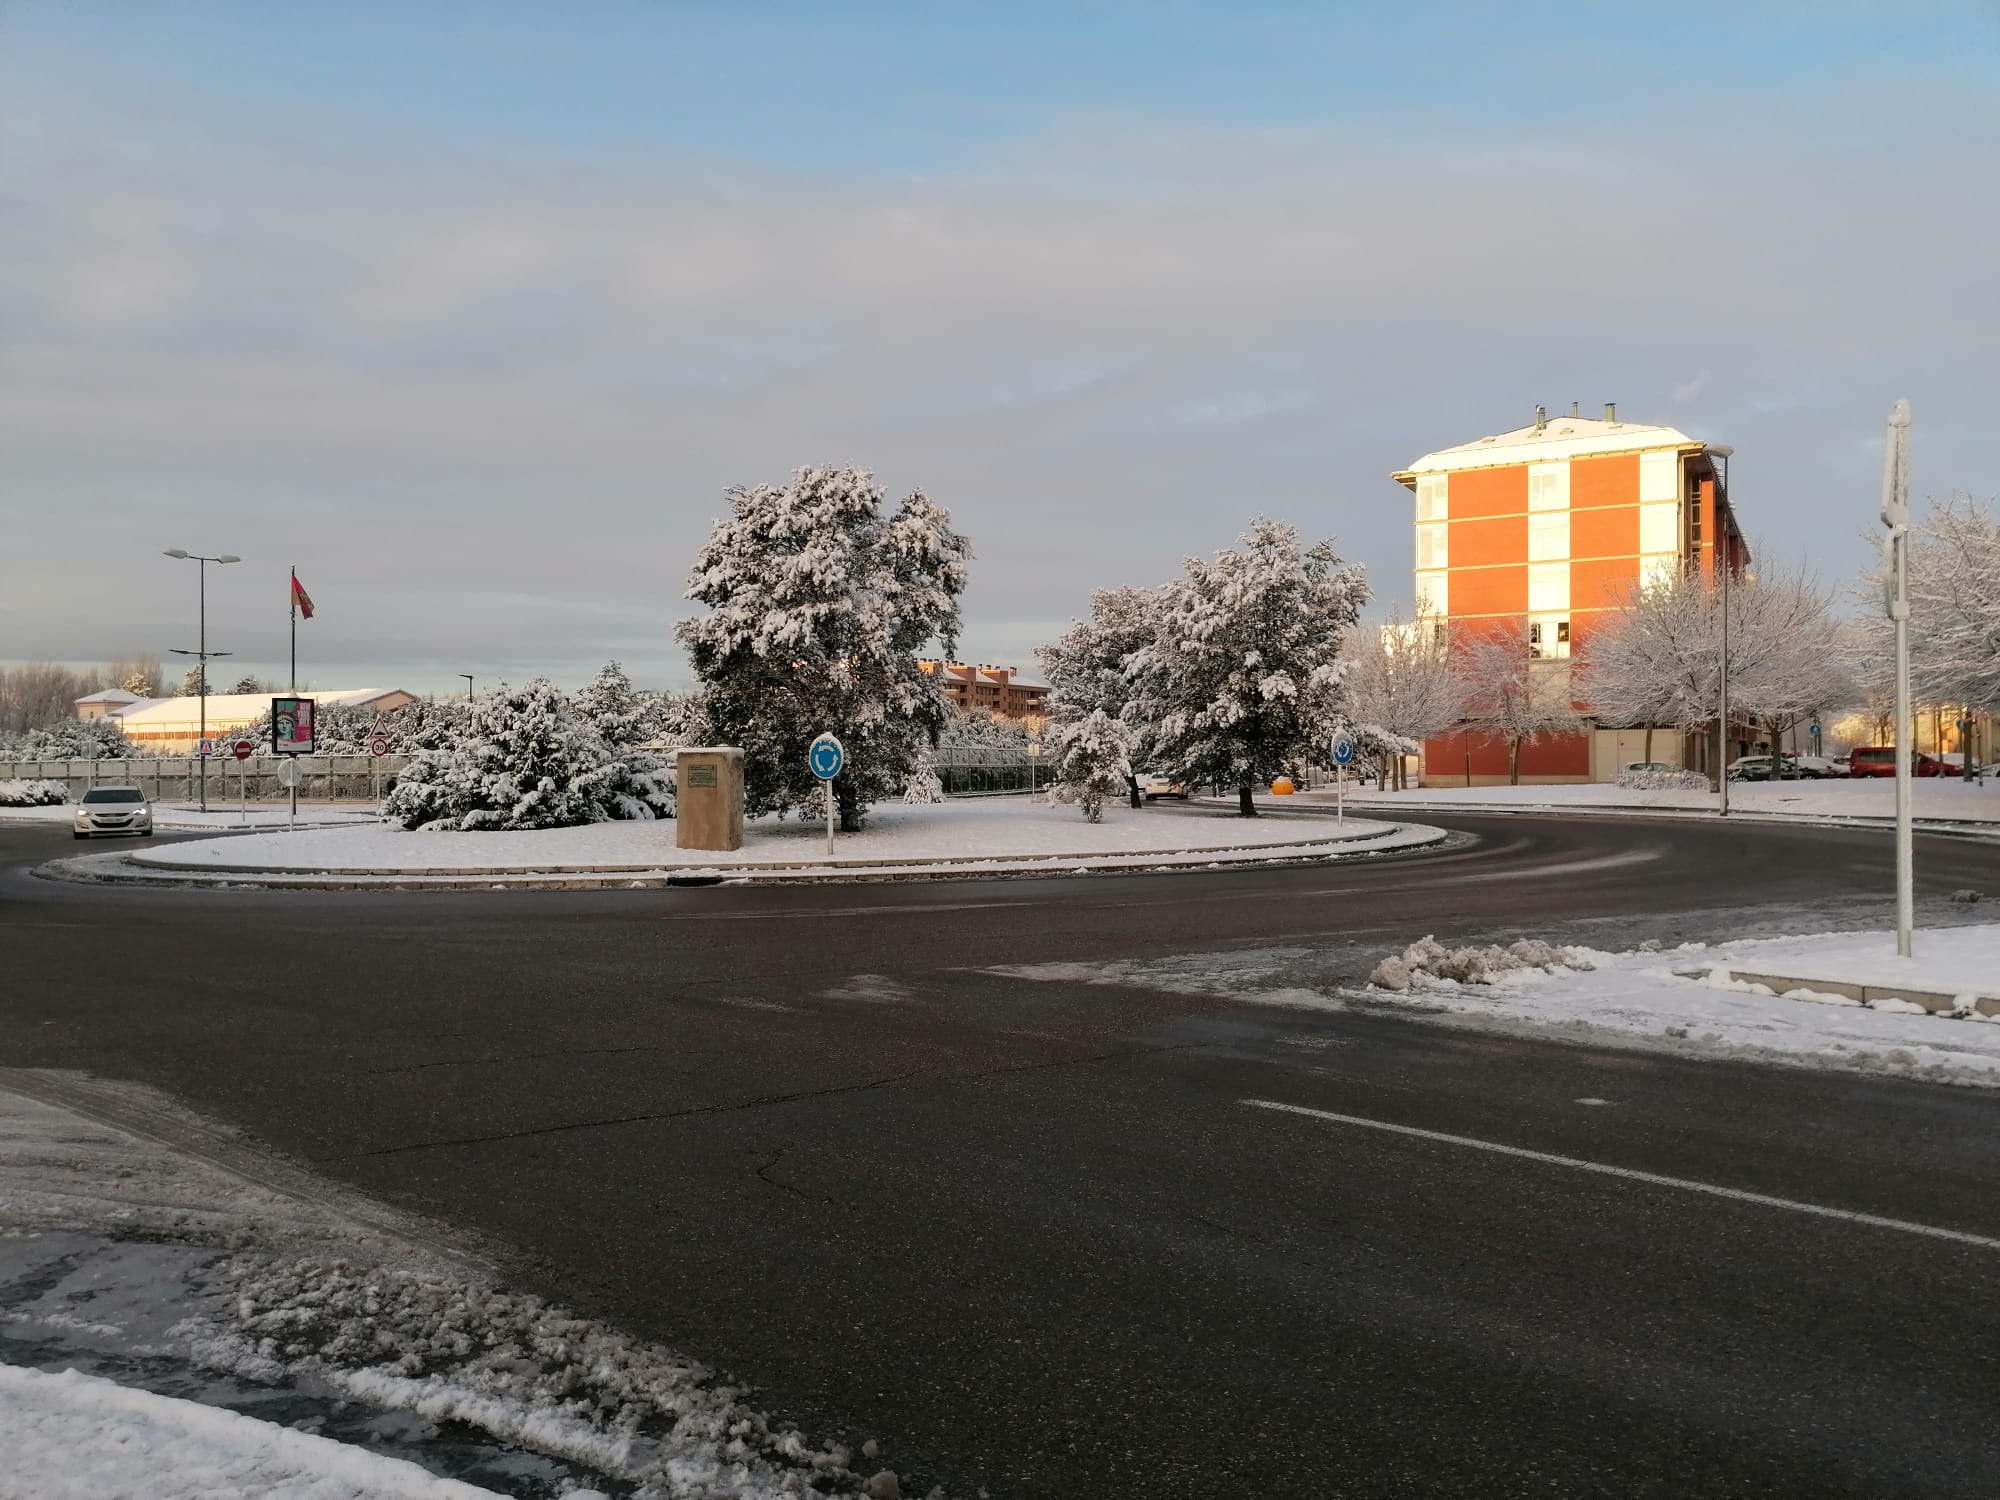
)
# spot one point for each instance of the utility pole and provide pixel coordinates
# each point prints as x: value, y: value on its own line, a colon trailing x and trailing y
x: 468, y: 685
x: 1726, y: 557
x: 1896, y: 516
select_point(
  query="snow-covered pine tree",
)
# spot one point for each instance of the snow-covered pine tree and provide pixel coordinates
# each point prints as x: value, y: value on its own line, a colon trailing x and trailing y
x: 1243, y: 676
x: 74, y: 739
x: 1086, y: 664
x: 1510, y: 694
x: 192, y: 682
x: 626, y: 720
x: 1093, y: 761
x: 525, y: 760
x: 818, y: 606
x: 247, y: 684
x: 925, y: 787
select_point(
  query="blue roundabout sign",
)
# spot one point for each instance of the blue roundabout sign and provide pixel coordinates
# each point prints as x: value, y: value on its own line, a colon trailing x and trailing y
x: 826, y: 757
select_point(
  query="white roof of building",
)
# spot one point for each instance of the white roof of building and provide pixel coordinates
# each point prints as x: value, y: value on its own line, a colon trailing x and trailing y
x: 226, y: 710
x: 111, y: 695
x: 1563, y: 437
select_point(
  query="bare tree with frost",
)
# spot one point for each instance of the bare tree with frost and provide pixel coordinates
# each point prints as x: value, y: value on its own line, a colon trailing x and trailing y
x: 1403, y: 687
x: 1510, y: 693
x: 1954, y: 610
x: 1244, y: 673
x: 818, y: 605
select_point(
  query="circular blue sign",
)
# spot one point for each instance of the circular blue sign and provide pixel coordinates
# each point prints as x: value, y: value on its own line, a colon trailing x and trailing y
x: 826, y: 757
x: 1343, y: 750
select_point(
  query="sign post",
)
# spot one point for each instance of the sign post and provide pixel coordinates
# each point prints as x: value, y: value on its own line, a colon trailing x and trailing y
x: 292, y: 735
x: 1896, y: 589
x: 826, y: 758
x: 242, y: 750
x: 378, y: 746
x: 1343, y: 752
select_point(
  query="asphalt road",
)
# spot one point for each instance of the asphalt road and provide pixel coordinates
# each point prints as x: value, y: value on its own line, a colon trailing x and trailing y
x: 1024, y: 1227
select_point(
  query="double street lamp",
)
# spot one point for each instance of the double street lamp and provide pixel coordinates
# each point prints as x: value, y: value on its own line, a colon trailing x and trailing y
x: 202, y: 654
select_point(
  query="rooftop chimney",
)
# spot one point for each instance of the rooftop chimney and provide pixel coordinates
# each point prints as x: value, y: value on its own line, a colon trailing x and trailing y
x: 1541, y: 418
x: 1611, y: 412
x: 1576, y: 408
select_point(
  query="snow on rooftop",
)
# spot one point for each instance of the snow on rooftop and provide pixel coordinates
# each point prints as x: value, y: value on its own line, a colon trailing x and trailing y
x: 111, y: 695
x: 1563, y: 437
x: 232, y: 708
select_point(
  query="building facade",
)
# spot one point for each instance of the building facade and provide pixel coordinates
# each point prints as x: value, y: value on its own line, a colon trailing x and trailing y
x: 985, y: 688
x: 1542, y: 533
x: 173, y: 726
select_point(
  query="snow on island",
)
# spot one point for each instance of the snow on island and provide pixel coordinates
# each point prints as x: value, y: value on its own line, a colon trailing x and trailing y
x: 955, y: 831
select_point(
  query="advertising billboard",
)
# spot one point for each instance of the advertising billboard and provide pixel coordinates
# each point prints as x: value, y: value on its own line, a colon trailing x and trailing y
x: 292, y: 726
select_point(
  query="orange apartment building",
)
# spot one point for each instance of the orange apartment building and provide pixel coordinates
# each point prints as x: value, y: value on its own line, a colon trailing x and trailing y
x: 1546, y: 529
x: 989, y: 689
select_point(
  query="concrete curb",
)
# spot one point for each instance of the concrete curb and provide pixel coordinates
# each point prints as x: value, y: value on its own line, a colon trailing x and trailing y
x: 125, y: 869
x: 1967, y: 828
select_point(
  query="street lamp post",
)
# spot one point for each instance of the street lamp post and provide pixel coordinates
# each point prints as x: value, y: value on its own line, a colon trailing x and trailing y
x: 202, y: 653
x: 468, y: 685
x: 1896, y: 589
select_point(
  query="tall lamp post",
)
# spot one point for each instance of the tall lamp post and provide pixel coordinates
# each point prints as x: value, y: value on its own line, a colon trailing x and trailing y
x: 1725, y: 552
x: 202, y: 653
x: 1896, y: 591
x: 468, y: 685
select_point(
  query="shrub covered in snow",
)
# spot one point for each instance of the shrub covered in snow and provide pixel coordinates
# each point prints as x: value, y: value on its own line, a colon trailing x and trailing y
x: 526, y: 759
x: 925, y: 787
x: 1429, y: 960
x: 1093, y: 760
x: 1663, y: 781
x: 32, y: 793
x: 346, y: 729
x: 71, y: 739
x: 818, y: 605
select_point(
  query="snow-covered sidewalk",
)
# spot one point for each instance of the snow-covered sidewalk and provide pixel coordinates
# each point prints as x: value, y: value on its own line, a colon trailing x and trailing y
x: 71, y: 1436
x: 1689, y: 997
x: 1942, y: 800
x: 998, y: 836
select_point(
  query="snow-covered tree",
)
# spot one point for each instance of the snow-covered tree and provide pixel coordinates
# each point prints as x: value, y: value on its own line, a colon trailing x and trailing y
x: 1086, y: 664
x: 1244, y: 673
x: 1786, y: 652
x: 925, y: 787
x: 247, y: 684
x: 1403, y: 687
x: 526, y: 759
x: 818, y: 606
x: 73, y: 739
x: 1511, y: 694
x: 193, y: 682
x: 1093, y: 761
x: 1954, y: 572
x: 625, y: 721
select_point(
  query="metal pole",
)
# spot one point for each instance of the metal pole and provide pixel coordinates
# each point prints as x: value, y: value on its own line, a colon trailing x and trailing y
x: 1339, y: 795
x: 1722, y: 729
x: 292, y: 608
x: 1896, y: 516
x: 201, y: 666
x: 828, y: 784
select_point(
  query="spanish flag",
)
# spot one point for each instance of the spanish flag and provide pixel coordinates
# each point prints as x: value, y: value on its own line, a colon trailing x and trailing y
x: 301, y: 600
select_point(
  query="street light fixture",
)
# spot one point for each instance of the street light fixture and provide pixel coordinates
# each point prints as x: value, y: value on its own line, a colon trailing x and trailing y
x: 468, y: 685
x: 203, y: 654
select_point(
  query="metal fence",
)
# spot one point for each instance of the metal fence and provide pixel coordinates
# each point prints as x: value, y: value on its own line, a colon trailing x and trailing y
x: 976, y: 770
x: 321, y: 777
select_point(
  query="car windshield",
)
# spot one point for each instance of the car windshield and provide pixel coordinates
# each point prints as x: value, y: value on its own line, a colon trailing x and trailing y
x: 1865, y: 755
x: 103, y: 794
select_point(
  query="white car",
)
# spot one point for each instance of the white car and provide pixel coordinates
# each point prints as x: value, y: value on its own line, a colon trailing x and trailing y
x: 1152, y: 784
x: 108, y: 810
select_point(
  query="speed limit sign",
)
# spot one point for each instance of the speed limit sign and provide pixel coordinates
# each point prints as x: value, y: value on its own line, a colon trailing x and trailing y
x: 379, y: 745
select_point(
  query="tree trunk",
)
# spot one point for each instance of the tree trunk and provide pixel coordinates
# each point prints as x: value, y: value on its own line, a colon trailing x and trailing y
x: 1132, y: 785
x: 1649, y: 741
x: 1245, y: 804
x: 1777, y: 755
x: 850, y: 808
x: 1514, y: 761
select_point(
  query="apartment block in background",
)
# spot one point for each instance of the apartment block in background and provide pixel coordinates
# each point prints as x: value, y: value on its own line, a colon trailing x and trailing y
x: 1541, y: 532
x: 985, y: 688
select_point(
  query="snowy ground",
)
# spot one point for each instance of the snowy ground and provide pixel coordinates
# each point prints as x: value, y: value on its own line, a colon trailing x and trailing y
x: 998, y: 828
x: 1685, y: 998
x: 74, y: 1435
x: 1940, y: 799
x: 220, y: 817
x: 160, y: 1255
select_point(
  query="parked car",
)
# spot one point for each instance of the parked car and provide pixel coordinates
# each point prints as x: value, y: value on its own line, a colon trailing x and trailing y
x: 108, y: 810
x: 1880, y: 760
x: 1758, y: 768
x: 1818, y: 767
x: 1152, y: 784
x: 1652, y: 765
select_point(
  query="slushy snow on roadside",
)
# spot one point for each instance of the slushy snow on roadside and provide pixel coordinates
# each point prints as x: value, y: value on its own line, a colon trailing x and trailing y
x: 1687, y: 997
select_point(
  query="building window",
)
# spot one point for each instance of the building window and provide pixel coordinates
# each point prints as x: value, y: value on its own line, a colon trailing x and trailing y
x: 1432, y: 502
x: 1433, y: 594
x: 1432, y: 546
x: 1548, y: 486
x: 1548, y: 639
x: 1658, y: 526
x: 1548, y: 588
x: 1694, y: 511
x: 1548, y: 537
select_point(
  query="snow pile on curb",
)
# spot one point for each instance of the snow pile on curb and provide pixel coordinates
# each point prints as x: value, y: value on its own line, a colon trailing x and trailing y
x: 1686, y: 998
x: 1430, y: 960
x: 76, y: 1437
x: 512, y: 1365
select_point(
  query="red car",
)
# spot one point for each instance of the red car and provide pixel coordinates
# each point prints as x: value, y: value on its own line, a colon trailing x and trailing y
x: 1880, y: 760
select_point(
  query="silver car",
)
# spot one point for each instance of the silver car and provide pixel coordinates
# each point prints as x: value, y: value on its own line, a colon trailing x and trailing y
x: 114, y: 810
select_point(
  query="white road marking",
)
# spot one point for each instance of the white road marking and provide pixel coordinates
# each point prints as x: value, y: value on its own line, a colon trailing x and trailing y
x: 1593, y: 1101
x: 1738, y: 1195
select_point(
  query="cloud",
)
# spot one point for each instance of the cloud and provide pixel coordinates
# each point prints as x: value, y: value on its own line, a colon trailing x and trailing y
x: 492, y: 411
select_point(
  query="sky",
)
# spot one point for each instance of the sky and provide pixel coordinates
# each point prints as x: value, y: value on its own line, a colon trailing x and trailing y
x: 475, y: 312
